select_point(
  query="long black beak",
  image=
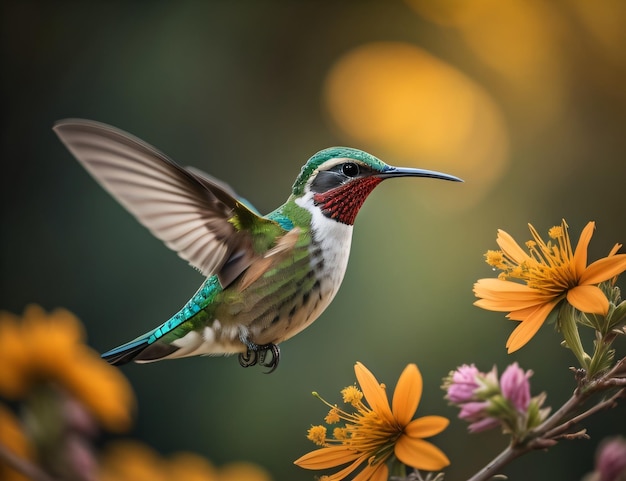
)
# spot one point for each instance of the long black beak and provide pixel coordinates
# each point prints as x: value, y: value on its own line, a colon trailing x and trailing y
x: 390, y: 172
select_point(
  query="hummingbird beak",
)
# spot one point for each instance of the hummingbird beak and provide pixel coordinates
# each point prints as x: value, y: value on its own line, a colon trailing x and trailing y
x: 390, y: 172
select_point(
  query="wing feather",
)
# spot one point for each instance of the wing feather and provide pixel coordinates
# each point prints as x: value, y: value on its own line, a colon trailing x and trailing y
x: 190, y: 212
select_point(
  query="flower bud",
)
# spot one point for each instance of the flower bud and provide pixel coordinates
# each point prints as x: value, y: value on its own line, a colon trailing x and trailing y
x: 486, y: 401
x: 515, y: 387
x: 611, y: 460
x: 462, y: 384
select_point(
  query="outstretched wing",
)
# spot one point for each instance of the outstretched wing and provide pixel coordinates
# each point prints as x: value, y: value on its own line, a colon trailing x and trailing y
x: 198, y: 217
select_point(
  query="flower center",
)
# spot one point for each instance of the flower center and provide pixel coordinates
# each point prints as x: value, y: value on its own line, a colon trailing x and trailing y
x: 548, y: 267
x: 364, y: 430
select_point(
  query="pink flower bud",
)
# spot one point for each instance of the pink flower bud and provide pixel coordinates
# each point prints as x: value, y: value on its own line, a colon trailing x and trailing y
x: 483, y: 425
x: 476, y: 414
x: 515, y: 387
x: 611, y: 459
x: 473, y: 411
x: 463, y: 384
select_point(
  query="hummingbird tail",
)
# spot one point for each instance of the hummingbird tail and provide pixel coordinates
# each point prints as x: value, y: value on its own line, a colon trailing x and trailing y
x: 126, y: 352
x: 143, y: 349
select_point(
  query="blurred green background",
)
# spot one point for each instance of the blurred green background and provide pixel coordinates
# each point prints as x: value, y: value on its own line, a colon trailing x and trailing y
x: 525, y: 99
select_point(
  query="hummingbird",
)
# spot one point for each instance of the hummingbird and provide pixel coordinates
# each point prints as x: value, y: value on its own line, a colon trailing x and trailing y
x: 268, y: 277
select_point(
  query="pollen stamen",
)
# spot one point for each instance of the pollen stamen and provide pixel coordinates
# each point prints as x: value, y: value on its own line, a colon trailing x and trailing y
x: 548, y: 266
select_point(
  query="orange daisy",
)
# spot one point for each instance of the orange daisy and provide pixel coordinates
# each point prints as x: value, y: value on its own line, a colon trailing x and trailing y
x: 373, y: 434
x: 552, y: 272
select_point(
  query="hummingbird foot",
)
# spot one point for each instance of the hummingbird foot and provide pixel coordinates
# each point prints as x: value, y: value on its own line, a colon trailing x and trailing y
x: 257, y: 354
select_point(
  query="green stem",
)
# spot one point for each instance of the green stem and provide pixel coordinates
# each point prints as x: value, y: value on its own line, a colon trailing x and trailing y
x: 398, y: 469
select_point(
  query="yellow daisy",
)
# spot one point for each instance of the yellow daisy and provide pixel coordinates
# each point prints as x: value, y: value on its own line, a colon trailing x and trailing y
x: 551, y: 272
x: 374, y: 433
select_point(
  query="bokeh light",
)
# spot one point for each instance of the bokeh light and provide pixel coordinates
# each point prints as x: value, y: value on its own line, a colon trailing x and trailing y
x: 398, y: 99
x: 517, y: 39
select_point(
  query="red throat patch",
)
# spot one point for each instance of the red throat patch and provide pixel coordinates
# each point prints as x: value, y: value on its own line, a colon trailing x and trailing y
x: 343, y: 203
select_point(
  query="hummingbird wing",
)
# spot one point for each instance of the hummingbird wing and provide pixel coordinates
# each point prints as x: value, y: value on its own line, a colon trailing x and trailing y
x: 200, y: 218
x: 227, y: 188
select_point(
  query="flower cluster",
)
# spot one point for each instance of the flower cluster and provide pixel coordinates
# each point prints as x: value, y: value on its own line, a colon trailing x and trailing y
x: 487, y: 402
x: 64, y: 392
x: 376, y: 432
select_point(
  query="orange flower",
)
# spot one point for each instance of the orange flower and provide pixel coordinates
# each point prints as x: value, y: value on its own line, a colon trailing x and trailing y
x: 49, y: 348
x: 374, y: 433
x: 552, y: 272
x: 128, y: 460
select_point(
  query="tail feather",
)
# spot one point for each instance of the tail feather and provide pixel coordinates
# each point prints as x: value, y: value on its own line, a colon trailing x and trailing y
x: 126, y: 352
x: 139, y: 350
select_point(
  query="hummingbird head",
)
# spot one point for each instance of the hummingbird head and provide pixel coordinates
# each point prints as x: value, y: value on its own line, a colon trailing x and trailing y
x: 339, y: 179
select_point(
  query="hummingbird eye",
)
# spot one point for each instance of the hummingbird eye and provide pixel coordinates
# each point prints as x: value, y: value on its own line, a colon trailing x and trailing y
x: 350, y: 169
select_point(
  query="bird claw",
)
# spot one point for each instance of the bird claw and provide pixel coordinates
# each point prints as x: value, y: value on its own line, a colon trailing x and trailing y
x: 256, y: 354
x: 247, y: 359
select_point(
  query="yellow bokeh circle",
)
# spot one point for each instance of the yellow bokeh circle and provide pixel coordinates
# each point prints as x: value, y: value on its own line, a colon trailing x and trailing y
x: 398, y: 100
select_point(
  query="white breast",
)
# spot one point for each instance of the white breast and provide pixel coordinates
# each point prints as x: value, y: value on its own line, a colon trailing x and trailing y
x: 331, y: 241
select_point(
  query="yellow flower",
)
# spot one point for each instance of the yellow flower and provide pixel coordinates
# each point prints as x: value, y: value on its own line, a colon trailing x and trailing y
x: 374, y: 433
x: 551, y: 272
x: 133, y: 461
x: 49, y: 349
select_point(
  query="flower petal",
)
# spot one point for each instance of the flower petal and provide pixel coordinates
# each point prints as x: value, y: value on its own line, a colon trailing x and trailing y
x: 604, y: 269
x: 521, y: 314
x: 339, y: 475
x: 373, y: 472
x: 589, y: 299
x: 420, y: 454
x: 426, y: 426
x: 510, y: 247
x: 506, y: 305
x: 503, y: 296
x: 613, y: 251
x: 407, y: 394
x: 15, y: 358
x: 325, y: 458
x: 579, y: 261
x: 373, y: 392
x: 529, y: 326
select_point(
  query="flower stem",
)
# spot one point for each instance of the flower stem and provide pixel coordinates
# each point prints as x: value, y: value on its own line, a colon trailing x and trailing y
x: 496, y: 464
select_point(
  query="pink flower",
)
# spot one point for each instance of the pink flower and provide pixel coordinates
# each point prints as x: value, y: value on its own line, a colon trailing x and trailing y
x: 476, y: 412
x: 611, y: 460
x: 473, y: 411
x: 515, y: 387
x: 483, y: 425
x: 487, y: 402
x: 463, y: 384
